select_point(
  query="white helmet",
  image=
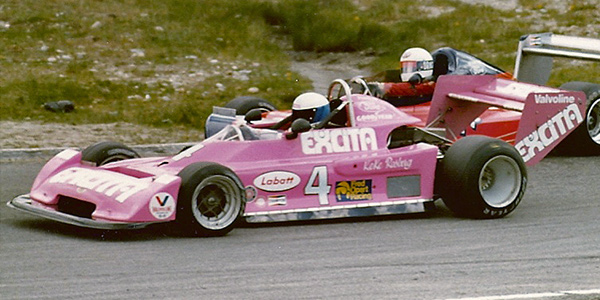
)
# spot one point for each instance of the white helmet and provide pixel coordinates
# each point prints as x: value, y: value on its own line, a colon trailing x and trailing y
x: 311, y: 106
x: 416, y: 61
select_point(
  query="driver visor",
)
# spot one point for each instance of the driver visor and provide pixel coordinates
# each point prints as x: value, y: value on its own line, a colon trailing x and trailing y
x: 414, y: 66
x: 408, y: 66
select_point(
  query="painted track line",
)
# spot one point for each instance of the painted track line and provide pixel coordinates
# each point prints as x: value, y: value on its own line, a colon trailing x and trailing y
x: 534, y: 295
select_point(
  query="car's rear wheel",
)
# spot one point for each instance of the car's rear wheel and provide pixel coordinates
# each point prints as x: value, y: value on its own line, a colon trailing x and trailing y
x: 481, y: 177
x: 585, y: 140
x: 244, y: 104
x: 210, y: 202
x: 106, y: 152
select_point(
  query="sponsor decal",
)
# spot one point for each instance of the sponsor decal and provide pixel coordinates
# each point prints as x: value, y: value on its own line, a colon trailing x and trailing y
x: 554, y: 99
x: 277, y: 200
x: 388, y: 163
x: 338, y: 140
x: 114, y: 185
x: 355, y: 190
x: 277, y: 181
x: 162, y: 205
x: 374, y: 117
x: 372, y: 110
x: 549, y: 132
x: 370, y: 106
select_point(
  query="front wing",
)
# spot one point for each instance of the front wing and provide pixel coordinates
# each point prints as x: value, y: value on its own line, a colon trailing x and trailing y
x: 25, y: 203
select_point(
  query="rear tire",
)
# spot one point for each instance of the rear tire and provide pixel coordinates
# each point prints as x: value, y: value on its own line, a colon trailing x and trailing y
x: 210, y: 202
x: 106, y: 152
x: 481, y: 177
x: 585, y: 139
x: 244, y: 104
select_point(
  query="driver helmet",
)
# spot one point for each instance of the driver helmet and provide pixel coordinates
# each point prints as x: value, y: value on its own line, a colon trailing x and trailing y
x: 416, y: 61
x: 310, y: 106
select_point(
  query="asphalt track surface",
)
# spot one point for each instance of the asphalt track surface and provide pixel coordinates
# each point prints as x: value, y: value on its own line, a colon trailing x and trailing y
x: 549, y: 248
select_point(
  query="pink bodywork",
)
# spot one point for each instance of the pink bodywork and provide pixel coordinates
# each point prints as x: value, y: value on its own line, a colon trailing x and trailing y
x: 320, y: 170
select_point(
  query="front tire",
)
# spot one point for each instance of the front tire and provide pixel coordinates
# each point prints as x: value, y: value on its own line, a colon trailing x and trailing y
x: 211, y: 200
x: 244, y: 104
x: 585, y: 139
x: 106, y: 152
x: 481, y: 177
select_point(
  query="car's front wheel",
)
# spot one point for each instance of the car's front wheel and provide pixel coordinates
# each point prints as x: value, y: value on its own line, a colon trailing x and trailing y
x: 106, y: 152
x: 244, y: 104
x: 481, y: 177
x: 211, y: 200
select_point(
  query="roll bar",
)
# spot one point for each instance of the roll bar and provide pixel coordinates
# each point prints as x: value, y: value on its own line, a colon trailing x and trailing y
x: 347, y: 91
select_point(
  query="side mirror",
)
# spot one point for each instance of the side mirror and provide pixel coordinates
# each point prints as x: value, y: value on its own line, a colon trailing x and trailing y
x: 298, y: 126
x: 475, y: 123
x: 253, y: 115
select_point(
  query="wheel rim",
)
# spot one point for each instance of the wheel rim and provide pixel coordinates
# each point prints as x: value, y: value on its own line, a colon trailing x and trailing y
x: 500, y: 181
x: 113, y: 158
x: 264, y: 109
x: 216, y: 202
x: 593, y: 121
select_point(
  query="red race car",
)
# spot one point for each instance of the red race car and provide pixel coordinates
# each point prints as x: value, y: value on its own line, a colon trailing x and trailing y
x: 533, y: 65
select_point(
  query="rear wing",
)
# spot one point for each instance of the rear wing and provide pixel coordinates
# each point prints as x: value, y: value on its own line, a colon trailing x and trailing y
x: 536, y: 51
x: 548, y: 114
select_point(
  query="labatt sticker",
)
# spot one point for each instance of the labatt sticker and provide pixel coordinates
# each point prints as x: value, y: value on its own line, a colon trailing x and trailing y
x: 277, y: 181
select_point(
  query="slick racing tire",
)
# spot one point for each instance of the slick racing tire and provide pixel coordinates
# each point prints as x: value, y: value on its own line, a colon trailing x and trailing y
x: 244, y: 104
x: 106, y: 152
x: 481, y: 177
x: 211, y: 200
x: 585, y: 140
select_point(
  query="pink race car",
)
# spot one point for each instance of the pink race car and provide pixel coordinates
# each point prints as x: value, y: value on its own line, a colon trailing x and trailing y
x: 365, y: 158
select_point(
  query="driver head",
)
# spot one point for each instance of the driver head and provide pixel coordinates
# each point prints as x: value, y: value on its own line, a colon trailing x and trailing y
x: 416, y: 61
x: 310, y: 106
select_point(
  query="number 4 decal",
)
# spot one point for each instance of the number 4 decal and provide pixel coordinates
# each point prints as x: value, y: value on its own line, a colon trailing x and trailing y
x: 317, y: 184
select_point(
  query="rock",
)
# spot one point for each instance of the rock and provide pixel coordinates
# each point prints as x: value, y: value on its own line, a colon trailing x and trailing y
x: 96, y: 25
x: 138, y: 53
x: 63, y: 106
